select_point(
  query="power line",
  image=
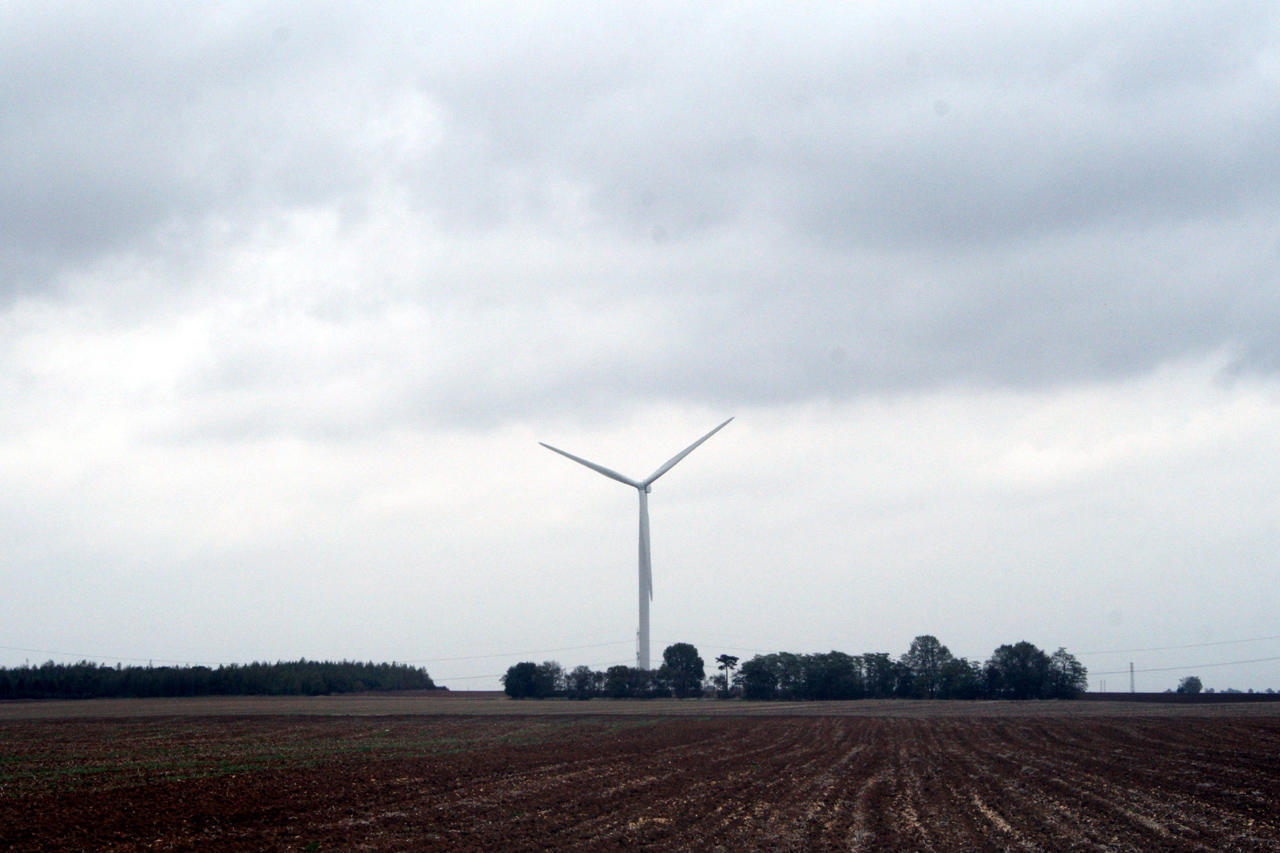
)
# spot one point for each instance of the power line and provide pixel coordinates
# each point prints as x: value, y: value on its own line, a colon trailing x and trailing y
x: 519, y: 654
x: 1187, y: 666
x: 1188, y: 646
x: 734, y: 648
x: 500, y: 674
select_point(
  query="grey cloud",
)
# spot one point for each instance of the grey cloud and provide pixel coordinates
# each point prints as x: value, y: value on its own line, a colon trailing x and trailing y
x: 861, y: 126
x: 848, y: 200
x: 752, y: 321
x: 117, y: 126
x: 967, y: 135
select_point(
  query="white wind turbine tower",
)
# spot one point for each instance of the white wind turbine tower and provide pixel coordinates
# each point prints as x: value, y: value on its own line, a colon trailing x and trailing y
x: 646, y: 570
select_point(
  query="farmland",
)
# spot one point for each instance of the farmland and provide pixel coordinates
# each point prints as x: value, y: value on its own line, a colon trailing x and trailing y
x: 488, y: 774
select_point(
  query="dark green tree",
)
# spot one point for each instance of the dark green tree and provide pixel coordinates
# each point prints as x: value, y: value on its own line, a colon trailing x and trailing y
x: 789, y: 668
x: 1067, y: 678
x: 1018, y: 671
x: 832, y: 675
x: 630, y: 682
x: 726, y: 664
x: 584, y: 683
x: 617, y: 682
x: 529, y: 680
x: 960, y: 679
x: 521, y: 680
x: 879, y: 674
x: 926, y: 659
x: 555, y: 675
x: 84, y: 679
x: 759, y: 679
x: 1190, y: 684
x: 683, y: 669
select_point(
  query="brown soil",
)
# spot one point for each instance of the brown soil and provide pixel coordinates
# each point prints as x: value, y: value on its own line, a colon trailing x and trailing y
x: 976, y: 781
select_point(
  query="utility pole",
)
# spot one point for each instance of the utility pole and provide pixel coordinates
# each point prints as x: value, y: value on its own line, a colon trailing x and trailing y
x: 1131, y: 690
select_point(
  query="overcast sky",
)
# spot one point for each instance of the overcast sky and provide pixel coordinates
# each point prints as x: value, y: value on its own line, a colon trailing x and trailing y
x: 290, y: 292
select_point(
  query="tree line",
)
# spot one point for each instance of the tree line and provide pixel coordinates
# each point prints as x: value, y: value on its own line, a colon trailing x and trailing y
x: 1192, y: 684
x: 927, y: 670
x: 84, y: 680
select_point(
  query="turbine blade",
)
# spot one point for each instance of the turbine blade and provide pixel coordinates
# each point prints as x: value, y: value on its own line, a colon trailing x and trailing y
x: 600, y: 469
x: 671, y: 463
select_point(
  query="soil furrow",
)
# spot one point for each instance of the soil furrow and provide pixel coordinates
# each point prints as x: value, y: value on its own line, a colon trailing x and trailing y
x: 943, y: 782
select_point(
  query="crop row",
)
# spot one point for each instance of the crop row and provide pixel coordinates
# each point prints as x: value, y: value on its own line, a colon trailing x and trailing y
x: 591, y: 783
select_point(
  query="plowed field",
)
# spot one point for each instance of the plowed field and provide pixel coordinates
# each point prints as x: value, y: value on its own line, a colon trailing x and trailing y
x: 588, y: 782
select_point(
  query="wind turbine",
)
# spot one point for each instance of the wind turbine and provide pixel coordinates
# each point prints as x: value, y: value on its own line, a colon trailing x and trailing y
x: 646, y: 570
